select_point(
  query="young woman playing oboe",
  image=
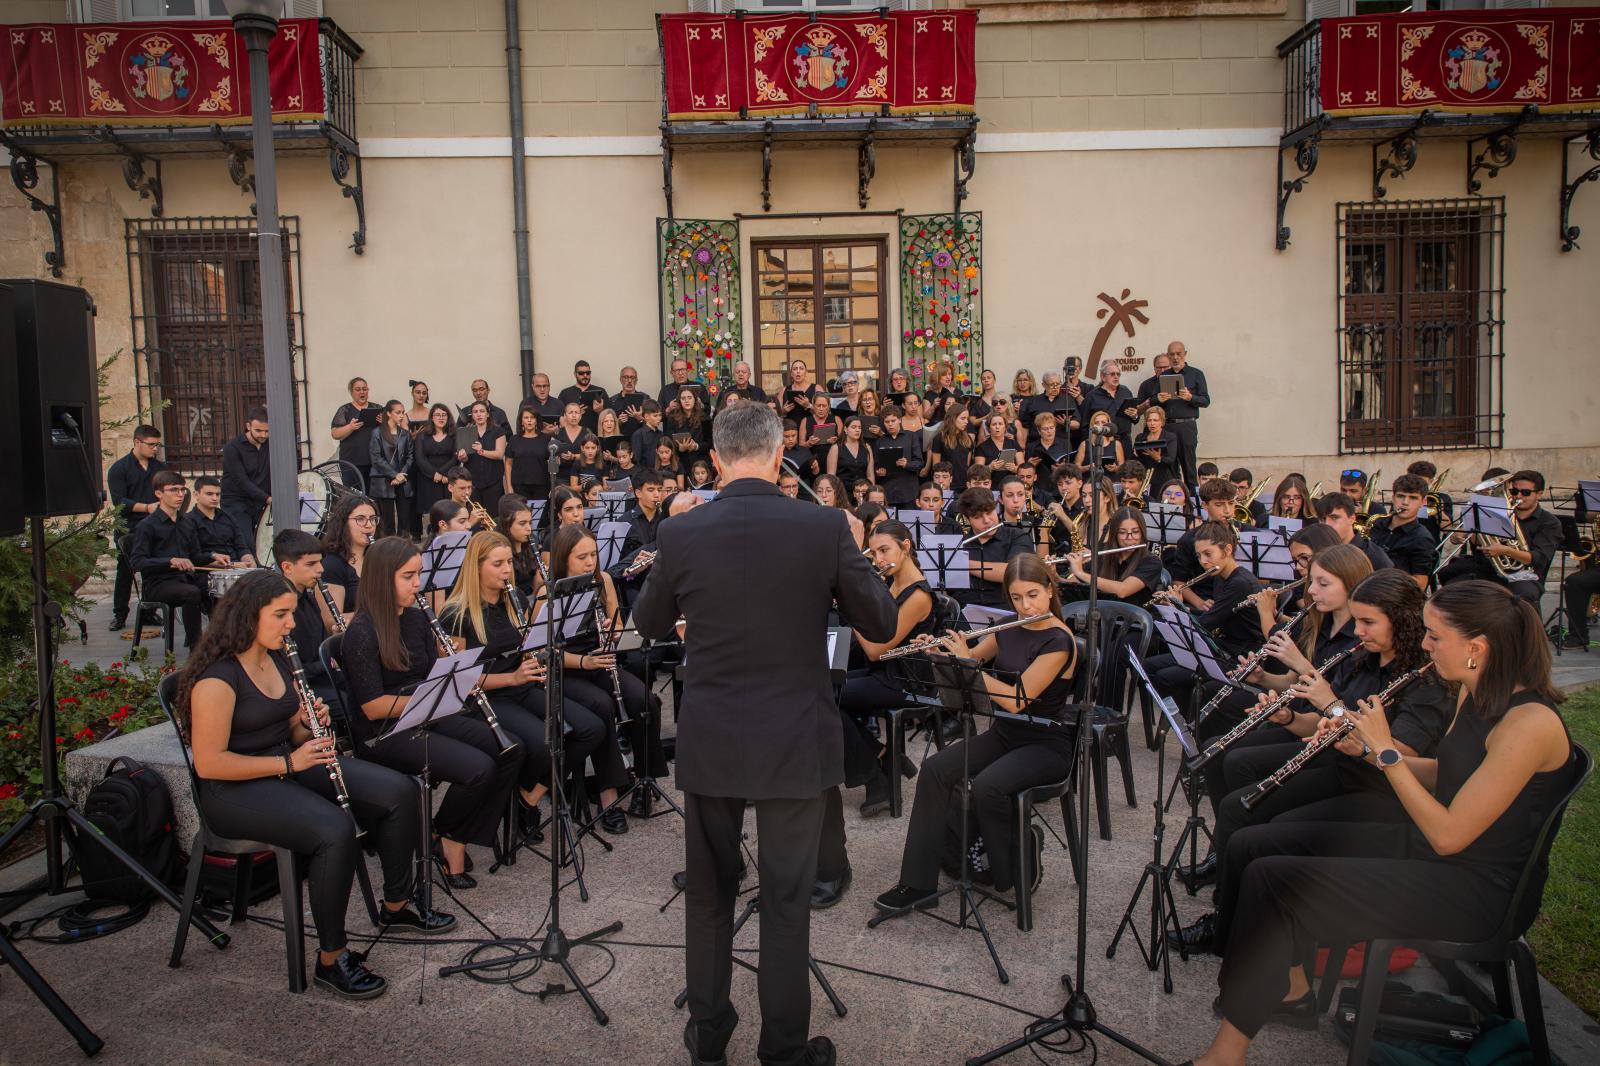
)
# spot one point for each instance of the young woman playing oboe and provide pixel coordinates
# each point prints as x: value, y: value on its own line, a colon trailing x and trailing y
x: 265, y: 776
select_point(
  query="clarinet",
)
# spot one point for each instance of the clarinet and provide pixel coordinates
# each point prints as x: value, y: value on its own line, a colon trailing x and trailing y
x: 303, y: 689
x: 333, y: 608
x: 1262, y: 713
x: 507, y: 742
x: 1244, y: 670
x: 602, y: 630
x: 1328, y: 739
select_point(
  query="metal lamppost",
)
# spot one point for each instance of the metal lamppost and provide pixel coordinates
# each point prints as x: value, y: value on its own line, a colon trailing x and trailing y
x: 256, y: 23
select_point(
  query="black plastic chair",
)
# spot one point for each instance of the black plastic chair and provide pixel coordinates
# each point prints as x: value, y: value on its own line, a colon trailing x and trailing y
x: 1023, y: 806
x: 245, y: 851
x: 167, y: 613
x: 892, y: 727
x: 1505, y: 951
x: 1123, y: 628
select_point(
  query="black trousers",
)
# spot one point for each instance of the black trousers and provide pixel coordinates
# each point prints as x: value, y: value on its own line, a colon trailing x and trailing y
x: 521, y: 714
x: 1000, y: 767
x: 1307, y: 883
x: 122, y: 589
x: 865, y: 692
x: 1472, y: 565
x: 1227, y: 714
x: 1576, y: 591
x: 396, y: 516
x: 591, y: 690
x: 463, y: 752
x: 489, y: 496
x: 787, y: 860
x: 183, y: 591
x: 1187, y: 430
x: 301, y: 814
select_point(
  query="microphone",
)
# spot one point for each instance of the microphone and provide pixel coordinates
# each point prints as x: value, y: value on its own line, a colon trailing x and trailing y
x: 1103, y: 431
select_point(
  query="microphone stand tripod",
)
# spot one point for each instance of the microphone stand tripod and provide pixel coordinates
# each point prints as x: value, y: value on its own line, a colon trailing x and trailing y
x: 1078, y: 1014
x: 556, y: 946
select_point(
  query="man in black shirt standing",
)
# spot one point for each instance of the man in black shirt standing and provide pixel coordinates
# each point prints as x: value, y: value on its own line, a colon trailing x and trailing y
x: 1402, y: 535
x: 165, y: 551
x: 247, y: 474
x: 541, y: 403
x: 680, y: 379
x: 741, y: 387
x: 591, y: 398
x: 353, y: 424
x: 1112, y: 397
x: 128, y: 482
x: 1183, y: 408
x: 629, y: 405
x: 480, y: 394
x: 1055, y: 402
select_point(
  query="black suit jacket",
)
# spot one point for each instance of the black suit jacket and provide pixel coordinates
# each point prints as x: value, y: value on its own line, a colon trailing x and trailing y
x: 754, y: 574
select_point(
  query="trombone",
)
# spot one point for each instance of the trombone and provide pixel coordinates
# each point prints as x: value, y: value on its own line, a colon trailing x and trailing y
x: 1136, y: 501
x: 1241, y: 508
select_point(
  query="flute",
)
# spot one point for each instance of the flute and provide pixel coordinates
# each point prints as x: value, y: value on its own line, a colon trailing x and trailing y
x: 1084, y: 554
x: 333, y: 608
x: 1244, y: 669
x: 1329, y: 737
x: 447, y: 647
x: 922, y: 644
x: 1255, y: 597
x: 1177, y: 587
x: 308, y: 697
x: 1262, y: 713
x: 640, y: 564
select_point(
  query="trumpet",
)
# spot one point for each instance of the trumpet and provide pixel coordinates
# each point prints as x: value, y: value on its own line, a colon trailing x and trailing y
x: 481, y: 516
x: 302, y: 688
x: 929, y: 642
x: 1264, y: 712
x: 1255, y: 597
x: 333, y: 608
x: 1328, y: 739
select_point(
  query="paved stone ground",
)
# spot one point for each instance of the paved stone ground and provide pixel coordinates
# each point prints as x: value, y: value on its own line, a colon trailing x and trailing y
x: 232, y: 1007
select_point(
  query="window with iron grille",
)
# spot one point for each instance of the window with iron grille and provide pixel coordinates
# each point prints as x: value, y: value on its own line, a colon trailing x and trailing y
x: 195, y: 292
x: 1421, y: 324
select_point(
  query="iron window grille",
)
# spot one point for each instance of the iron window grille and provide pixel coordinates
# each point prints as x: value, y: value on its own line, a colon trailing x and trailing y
x: 194, y: 291
x: 1421, y: 298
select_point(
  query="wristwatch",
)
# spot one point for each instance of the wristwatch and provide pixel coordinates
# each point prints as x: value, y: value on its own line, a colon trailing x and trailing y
x: 1388, y: 758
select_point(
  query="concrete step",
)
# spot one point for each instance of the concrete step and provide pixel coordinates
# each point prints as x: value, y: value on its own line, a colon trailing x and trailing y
x: 155, y: 747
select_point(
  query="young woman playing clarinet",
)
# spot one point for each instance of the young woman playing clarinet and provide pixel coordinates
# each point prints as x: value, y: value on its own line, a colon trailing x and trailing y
x: 515, y: 523
x: 868, y: 687
x: 1447, y: 872
x: 388, y: 649
x: 1007, y: 756
x: 265, y: 776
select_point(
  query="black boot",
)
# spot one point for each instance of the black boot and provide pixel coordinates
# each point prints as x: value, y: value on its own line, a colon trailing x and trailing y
x: 1198, y: 938
x: 1203, y: 873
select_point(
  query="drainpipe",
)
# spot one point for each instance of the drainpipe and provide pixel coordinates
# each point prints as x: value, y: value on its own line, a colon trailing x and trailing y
x: 519, y: 195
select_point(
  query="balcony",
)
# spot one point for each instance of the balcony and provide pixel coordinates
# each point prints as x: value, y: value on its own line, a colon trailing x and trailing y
x: 313, y: 93
x: 868, y: 80
x: 1401, y: 80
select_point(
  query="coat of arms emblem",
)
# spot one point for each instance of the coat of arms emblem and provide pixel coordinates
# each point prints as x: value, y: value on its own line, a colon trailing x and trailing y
x: 820, y: 60
x: 159, y: 70
x: 1473, y: 64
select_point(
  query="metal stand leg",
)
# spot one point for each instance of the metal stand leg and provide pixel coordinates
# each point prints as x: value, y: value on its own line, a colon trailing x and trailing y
x: 41, y: 989
x: 750, y: 908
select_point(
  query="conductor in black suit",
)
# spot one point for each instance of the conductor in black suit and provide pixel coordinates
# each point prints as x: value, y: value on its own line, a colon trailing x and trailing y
x: 758, y: 723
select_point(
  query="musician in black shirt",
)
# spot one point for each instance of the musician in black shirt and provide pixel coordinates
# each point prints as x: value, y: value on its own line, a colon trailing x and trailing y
x: 797, y: 396
x: 682, y: 377
x: 215, y: 530
x: 1213, y: 599
x: 1183, y: 409
x: 628, y: 403
x: 480, y: 394
x: 1114, y: 398
x: 1540, y: 530
x: 528, y: 458
x: 1243, y: 482
x: 165, y: 551
x: 1338, y: 512
x: 247, y: 473
x: 1130, y: 577
x: 1402, y: 535
x: 899, y: 458
x: 353, y: 426
x: 546, y: 406
x: 589, y: 397
x: 996, y: 545
x: 128, y: 482
x: 298, y: 557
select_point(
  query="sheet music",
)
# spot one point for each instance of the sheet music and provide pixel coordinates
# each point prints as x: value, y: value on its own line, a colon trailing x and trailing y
x: 1489, y: 515
x: 981, y: 616
x: 442, y: 559
x: 572, y: 613
x: 610, y: 537
x: 1287, y: 526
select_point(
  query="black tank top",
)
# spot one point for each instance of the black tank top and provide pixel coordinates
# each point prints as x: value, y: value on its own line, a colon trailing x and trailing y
x: 1501, y: 850
x: 853, y: 467
x: 1017, y: 649
x: 260, y: 722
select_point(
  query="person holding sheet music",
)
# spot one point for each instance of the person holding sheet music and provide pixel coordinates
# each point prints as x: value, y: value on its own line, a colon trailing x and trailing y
x: 998, y: 449
x: 1156, y: 447
x: 589, y: 677
x: 264, y: 776
x: 850, y: 459
x: 391, y: 461
x: 797, y: 456
x: 434, y: 446
x: 795, y: 402
x: 479, y: 614
x: 1130, y: 577
x: 1212, y: 599
x: 528, y: 458
x: 1111, y: 453
x: 388, y: 649
x: 820, y: 428
x: 1006, y: 757
x: 569, y: 436
x: 686, y: 423
x: 898, y: 458
x: 1056, y: 402
x: 1113, y: 398
x: 991, y: 553
x: 1048, y: 446
x: 481, y: 446
x: 953, y: 445
x: 352, y: 426
x: 590, y: 469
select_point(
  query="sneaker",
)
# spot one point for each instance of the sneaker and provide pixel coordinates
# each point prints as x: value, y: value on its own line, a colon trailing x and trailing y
x: 901, y: 897
x: 348, y: 976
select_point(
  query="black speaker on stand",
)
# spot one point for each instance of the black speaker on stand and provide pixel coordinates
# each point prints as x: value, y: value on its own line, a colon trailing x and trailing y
x: 47, y: 359
x: 11, y: 510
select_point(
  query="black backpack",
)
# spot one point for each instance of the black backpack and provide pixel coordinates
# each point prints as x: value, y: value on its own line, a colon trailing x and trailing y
x: 131, y: 808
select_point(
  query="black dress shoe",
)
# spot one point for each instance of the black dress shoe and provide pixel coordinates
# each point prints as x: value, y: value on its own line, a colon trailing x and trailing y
x: 1197, y: 938
x: 118, y: 622
x: 691, y: 1040
x: 876, y: 800
x: 825, y: 894
x: 1299, y: 1013
x: 819, y: 1052
x: 431, y: 923
x: 438, y: 857
x: 529, y: 820
x: 900, y: 897
x: 639, y: 804
x: 349, y: 977
x: 1573, y: 642
x: 1205, y: 873
x: 614, y: 821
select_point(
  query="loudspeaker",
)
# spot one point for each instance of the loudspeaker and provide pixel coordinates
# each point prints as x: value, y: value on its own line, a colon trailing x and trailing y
x: 11, y: 517
x: 58, y: 408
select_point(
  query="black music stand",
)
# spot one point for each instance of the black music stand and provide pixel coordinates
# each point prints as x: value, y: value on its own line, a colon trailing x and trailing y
x: 610, y: 535
x: 921, y: 523
x: 1193, y: 650
x: 1158, y: 873
x: 1265, y: 553
x: 643, y: 780
x: 1587, y: 501
x: 564, y: 608
x: 1165, y: 523
x: 442, y: 560
x: 944, y: 562
x: 958, y: 684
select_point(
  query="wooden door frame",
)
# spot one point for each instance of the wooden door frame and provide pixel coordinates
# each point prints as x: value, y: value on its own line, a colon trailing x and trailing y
x: 819, y: 345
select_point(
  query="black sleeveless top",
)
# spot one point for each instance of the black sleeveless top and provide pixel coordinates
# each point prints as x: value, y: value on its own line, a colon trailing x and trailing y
x: 1017, y: 650
x: 260, y: 723
x: 1501, y: 850
x: 853, y: 468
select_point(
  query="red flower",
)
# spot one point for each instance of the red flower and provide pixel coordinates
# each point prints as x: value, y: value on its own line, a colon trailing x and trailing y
x: 67, y: 699
x: 124, y: 709
x: 9, y: 791
x: 117, y: 665
x: 83, y: 734
x: 61, y: 740
x: 15, y: 734
x: 118, y: 716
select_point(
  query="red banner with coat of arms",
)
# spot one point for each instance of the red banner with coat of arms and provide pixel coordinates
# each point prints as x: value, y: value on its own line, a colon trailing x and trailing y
x: 1462, y: 61
x: 152, y: 73
x: 733, y: 66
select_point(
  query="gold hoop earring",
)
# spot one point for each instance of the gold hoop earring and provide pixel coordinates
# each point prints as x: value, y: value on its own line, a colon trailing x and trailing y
x: 1472, y: 663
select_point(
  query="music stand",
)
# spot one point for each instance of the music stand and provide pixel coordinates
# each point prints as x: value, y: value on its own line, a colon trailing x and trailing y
x: 1488, y: 515
x: 1164, y: 523
x: 1265, y: 553
x: 921, y: 523
x: 563, y: 610
x: 1158, y: 872
x: 944, y: 562
x: 442, y: 559
x: 1188, y: 643
x: 981, y: 616
x: 959, y: 686
x: 615, y: 502
x: 310, y: 510
x: 1287, y: 526
x: 610, y: 537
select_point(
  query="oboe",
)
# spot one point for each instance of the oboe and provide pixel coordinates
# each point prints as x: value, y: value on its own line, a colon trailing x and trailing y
x: 303, y: 689
x: 333, y: 608
x: 446, y: 647
x: 1255, y: 597
x: 1244, y: 669
x: 1326, y: 740
x: 922, y: 644
x: 1262, y: 713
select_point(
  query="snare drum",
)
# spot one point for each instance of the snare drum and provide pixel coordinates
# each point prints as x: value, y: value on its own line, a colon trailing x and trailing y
x: 218, y: 582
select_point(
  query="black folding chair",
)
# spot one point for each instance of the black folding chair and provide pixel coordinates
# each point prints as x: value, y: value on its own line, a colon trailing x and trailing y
x: 1123, y: 627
